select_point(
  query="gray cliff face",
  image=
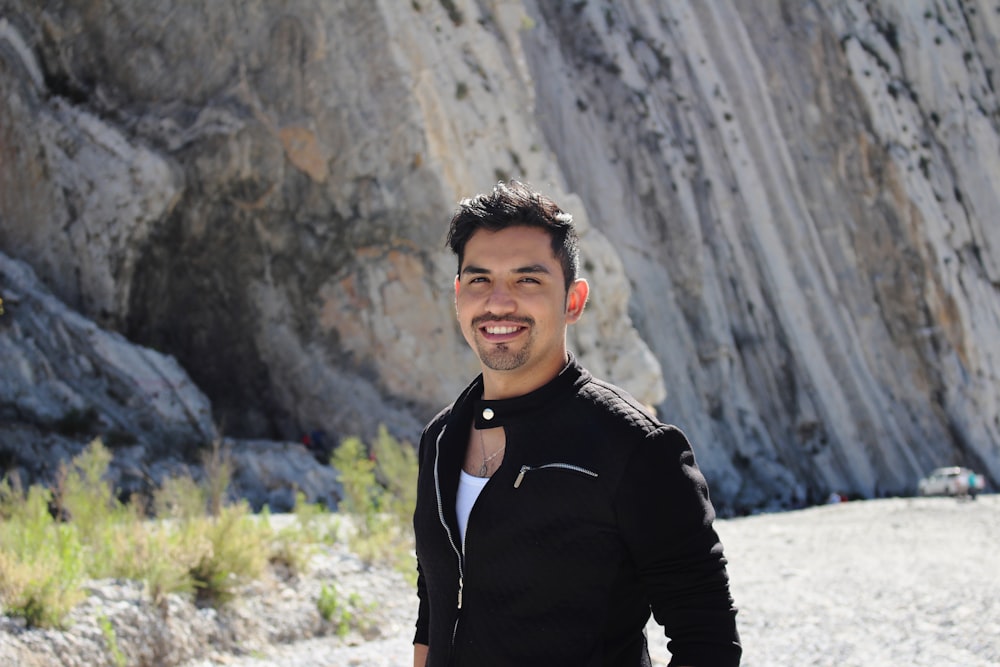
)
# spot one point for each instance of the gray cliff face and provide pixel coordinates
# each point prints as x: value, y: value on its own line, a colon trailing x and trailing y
x: 803, y: 198
x: 787, y: 210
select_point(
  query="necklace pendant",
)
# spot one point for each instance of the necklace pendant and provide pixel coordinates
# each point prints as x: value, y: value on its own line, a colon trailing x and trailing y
x: 483, y: 470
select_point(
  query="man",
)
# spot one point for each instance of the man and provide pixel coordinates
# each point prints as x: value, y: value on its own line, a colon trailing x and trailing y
x: 553, y: 511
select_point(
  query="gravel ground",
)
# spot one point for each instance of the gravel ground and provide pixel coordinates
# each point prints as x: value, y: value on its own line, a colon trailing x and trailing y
x: 878, y: 583
x: 892, y: 582
x: 895, y: 582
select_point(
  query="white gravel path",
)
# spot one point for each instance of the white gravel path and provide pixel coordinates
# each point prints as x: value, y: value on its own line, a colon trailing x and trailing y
x: 896, y: 582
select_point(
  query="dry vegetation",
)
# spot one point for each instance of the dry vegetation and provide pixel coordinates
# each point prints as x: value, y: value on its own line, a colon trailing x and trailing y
x: 187, y: 539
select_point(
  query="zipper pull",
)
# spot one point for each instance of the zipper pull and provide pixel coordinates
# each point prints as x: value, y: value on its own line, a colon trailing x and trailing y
x: 461, y: 585
x: 520, y: 476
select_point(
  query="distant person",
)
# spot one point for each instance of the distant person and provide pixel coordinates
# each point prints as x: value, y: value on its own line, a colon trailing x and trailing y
x: 553, y: 510
x: 972, y: 485
x: 317, y: 443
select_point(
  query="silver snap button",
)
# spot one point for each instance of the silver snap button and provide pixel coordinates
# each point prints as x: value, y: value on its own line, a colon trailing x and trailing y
x: 488, y: 414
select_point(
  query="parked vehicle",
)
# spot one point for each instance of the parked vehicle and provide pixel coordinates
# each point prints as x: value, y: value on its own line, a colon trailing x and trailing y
x: 951, y: 481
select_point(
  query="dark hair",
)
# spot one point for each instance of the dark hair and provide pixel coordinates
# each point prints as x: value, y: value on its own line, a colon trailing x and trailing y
x: 515, y: 204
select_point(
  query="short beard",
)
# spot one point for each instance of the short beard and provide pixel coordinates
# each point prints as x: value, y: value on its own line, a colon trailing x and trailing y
x: 502, y: 358
x: 499, y: 356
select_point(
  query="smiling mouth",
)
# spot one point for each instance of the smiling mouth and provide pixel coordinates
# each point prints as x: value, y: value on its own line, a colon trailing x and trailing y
x: 501, y: 331
x: 498, y: 330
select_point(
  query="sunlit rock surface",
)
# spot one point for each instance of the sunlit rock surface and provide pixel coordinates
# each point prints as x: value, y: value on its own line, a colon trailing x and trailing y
x: 789, y: 211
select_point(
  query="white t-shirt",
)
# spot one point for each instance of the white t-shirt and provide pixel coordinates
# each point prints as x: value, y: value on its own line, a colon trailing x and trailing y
x: 469, y: 488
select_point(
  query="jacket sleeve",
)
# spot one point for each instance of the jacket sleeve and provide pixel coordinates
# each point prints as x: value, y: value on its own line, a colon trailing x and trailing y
x: 665, y: 517
x: 422, y: 634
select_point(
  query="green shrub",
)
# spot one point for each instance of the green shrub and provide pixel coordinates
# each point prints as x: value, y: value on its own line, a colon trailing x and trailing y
x: 294, y: 545
x: 83, y: 498
x: 313, y: 520
x: 41, y: 562
x: 344, y: 614
x: 42, y: 591
x: 328, y: 602
x: 381, y: 512
x: 155, y: 555
x: 357, y: 477
x: 111, y: 639
x: 232, y: 552
x: 396, y: 470
x: 179, y: 498
x: 218, y: 474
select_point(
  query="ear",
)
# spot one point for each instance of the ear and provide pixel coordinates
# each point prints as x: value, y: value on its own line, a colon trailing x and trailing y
x: 457, y: 284
x: 576, y: 299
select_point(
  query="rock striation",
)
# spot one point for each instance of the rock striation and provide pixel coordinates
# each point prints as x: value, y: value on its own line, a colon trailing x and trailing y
x: 786, y: 210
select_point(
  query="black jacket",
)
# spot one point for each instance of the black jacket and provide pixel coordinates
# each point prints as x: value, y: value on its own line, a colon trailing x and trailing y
x: 597, y: 514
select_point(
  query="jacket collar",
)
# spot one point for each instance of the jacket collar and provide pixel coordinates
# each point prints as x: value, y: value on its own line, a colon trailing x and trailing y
x: 489, y: 414
x: 470, y: 405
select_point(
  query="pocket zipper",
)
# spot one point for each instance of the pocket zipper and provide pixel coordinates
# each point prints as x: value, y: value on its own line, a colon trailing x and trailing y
x: 563, y: 466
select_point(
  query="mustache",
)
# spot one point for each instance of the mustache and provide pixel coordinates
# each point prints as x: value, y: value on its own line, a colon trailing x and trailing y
x: 483, y: 319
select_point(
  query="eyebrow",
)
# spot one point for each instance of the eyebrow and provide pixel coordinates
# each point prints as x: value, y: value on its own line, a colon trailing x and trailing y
x: 530, y: 269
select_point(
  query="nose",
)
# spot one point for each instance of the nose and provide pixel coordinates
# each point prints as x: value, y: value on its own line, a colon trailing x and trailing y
x: 500, y: 301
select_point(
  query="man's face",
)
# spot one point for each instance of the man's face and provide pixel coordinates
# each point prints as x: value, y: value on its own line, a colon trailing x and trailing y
x: 512, y: 302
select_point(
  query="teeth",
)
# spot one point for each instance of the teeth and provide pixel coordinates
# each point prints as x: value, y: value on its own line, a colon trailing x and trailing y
x: 496, y: 330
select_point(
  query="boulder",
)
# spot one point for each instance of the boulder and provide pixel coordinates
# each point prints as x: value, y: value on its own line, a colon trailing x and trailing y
x: 66, y: 381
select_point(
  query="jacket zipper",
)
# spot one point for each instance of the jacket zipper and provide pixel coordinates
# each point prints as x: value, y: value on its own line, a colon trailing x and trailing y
x: 459, y: 554
x: 563, y: 466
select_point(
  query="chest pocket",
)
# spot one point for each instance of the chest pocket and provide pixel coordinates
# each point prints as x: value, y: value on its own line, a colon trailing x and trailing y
x: 536, y: 472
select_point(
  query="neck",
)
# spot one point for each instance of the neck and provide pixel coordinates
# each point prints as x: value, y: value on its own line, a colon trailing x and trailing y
x: 499, y: 385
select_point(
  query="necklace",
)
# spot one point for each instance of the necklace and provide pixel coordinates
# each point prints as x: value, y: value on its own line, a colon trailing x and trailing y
x: 484, y: 469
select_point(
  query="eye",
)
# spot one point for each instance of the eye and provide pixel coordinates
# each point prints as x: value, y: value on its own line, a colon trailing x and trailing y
x: 531, y: 281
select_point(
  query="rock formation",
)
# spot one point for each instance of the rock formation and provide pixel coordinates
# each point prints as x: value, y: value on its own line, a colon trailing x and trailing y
x: 785, y: 209
x: 67, y: 381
